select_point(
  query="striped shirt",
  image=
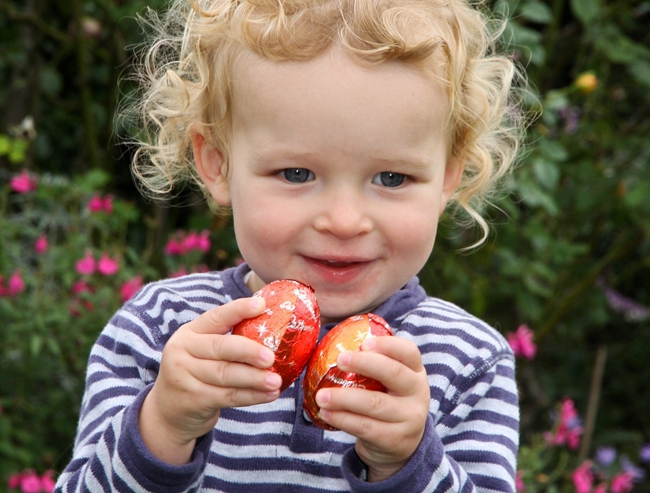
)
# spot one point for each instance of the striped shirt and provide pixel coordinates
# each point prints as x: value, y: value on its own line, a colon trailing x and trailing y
x: 469, y: 444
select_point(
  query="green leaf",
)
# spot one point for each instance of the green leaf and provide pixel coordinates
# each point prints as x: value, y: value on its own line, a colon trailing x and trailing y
x: 640, y: 71
x: 36, y: 344
x: 537, y: 12
x: 587, y: 11
x: 5, y: 145
x: 546, y: 172
x: 93, y: 181
x: 553, y: 150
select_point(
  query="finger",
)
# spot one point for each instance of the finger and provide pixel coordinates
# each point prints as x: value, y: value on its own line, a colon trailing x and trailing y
x: 235, y: 375
x: 396, y: 348
x: 221, y: 319
x: 233, y: 397
x: 230, y: 348
x: 361, y: 403
x: 393, y: 374
x: 353, y: 424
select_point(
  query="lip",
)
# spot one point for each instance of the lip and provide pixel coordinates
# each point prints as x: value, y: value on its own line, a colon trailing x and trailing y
x: 338, y: 270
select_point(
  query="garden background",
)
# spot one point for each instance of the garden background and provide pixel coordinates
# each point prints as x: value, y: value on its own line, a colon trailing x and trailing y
x: 569, y: 257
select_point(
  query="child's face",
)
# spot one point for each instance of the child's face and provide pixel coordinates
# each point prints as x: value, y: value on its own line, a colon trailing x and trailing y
x: 338, y: 174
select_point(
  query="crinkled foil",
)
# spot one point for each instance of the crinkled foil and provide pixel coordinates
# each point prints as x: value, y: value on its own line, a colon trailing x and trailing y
x: 323, y: 371
x: 289, y: 326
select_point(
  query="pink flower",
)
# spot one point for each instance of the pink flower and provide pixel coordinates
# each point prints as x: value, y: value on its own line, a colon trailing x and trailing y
x: 622, y: 483
x: 24, y: 182
x: 568, y: 428
x: 130, y: 287
x: 568, y: 413
x: 86, y: 266
x: 41, y: 245
x: 583, y: 478
x: 30, y: 483
x: 519, y: 481
x: 203, y: 241
x: 81, y: 287
x: 98, y: 203
x: 174, y: 247
x: 521, y: 342
x: 14, y: 481
x: 601, y: 488
x: 108, y: 204
x: 15, y: 285
x: 195, y: 241
x: 181, y: 243
x: 107, y: 266
x: 47, y: 483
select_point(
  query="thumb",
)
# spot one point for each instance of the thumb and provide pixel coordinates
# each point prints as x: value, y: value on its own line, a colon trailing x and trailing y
x: 221, y: 319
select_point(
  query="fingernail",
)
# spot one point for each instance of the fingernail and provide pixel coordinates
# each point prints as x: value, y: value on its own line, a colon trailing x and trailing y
x: 272, y: 394
x: 369, y: 344
x: 324, y: 413
x: 267, y: 356
x: 273, y: 380
x: 344, y: 359
x: 257, y: 303
x: 323, y: 397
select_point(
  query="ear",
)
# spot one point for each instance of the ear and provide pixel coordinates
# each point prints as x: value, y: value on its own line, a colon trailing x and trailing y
x: 210, y: 166
x: 453, y: 174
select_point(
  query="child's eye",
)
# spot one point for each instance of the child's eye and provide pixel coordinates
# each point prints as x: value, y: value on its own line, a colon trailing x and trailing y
x: 389, y: 179
x: 297, y: 175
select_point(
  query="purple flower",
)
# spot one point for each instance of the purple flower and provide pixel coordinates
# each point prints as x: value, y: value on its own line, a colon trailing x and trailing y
x: 637, y: 473
x: 631, y: 309
x: 605, y: 456
x: 644, y: 453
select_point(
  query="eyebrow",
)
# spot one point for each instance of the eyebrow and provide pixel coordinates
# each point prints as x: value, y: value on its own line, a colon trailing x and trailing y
x: 415, y: 162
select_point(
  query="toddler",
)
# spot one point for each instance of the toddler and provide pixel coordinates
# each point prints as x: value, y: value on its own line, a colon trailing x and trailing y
x: 337, y: 132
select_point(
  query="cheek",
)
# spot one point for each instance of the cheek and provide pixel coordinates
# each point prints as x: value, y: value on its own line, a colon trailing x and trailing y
x: 413, y: 233
x: 261, y: 224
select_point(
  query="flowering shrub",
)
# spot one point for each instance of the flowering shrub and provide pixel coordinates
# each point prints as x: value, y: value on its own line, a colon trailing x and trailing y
x: 549, y: 462
x: 66, y: 265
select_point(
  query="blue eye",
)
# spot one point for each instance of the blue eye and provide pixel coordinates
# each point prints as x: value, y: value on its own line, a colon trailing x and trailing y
x: 297, y: 175
x: 389, y: 179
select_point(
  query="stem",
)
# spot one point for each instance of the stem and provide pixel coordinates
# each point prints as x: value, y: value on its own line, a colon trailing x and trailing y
x: 16, y: 15
x: 594, y: 399
x: 84, y: 89
x: 621, y: 249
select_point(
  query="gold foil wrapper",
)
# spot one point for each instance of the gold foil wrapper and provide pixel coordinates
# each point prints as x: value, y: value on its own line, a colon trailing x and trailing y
x: 323, y: 370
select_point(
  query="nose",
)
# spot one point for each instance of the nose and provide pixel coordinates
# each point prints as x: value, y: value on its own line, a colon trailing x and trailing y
x: 344, y: 215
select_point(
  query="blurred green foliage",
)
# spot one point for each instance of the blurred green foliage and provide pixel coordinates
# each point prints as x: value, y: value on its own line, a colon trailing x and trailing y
x: 569, y: 255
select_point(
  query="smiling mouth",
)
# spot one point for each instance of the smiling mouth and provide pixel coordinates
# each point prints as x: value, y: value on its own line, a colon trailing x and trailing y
x: 335, y: 263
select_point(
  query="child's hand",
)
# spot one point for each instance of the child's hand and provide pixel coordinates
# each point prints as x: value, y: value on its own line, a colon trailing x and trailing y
x: 202, y: 371
x: 388, y: 426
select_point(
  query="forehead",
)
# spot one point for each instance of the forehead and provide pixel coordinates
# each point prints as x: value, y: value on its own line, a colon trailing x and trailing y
x: 336, y: 79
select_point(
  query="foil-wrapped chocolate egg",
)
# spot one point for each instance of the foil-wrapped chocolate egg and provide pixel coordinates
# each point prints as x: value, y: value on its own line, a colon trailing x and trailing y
x: 323, y: 370
x: 289, y: 326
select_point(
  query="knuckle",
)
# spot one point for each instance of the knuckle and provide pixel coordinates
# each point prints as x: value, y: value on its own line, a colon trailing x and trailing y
x: 375, y: 402
x: 217, y: 347
x: 395, y: 372
x: 222, y: 374
x: 230, y: 397
x: 365, y: 428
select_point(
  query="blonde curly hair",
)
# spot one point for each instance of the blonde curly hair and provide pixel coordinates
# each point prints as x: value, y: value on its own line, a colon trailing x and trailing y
x: 185, y: 75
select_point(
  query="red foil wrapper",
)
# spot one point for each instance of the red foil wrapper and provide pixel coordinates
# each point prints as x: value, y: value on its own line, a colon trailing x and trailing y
x: 289, y: 326
x: 323, y: 370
